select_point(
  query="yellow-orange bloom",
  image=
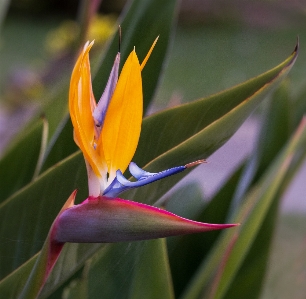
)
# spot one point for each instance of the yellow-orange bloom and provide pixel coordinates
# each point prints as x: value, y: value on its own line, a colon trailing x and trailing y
x: 107, y: 132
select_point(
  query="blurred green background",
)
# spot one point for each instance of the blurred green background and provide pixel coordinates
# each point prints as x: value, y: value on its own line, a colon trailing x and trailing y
x: 217, y: 44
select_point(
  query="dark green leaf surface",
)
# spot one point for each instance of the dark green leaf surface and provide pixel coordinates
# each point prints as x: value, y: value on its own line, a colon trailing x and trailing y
x: 12, y: 285
x: 117, y: 271
x: 17, y: 166
x: 152, y: 260
x: 274, y: 133
x: 194, y: 131
x: 76, y: 290
x: 298, y: 109
x: 61, y: 145
x: 251, y: 214
x: 186, y: 253
x: 71, y: 260
x: 250, y: 277
x: 272, y: 137
x: 115, y: 265
x: 31, y: 212
x: 266, y: 196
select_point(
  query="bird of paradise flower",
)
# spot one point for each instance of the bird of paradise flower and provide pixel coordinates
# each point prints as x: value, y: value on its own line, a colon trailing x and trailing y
x: 107, y: 133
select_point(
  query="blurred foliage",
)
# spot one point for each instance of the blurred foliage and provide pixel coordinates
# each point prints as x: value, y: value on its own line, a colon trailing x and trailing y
x: 64, y: 37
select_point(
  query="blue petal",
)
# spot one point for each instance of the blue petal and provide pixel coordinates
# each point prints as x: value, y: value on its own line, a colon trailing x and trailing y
x: 139, y: 173
x: 120, y: 183
x: 101, y: 108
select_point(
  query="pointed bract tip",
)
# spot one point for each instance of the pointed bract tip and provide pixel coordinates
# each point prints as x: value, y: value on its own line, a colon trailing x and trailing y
x: 149, y: 54
x: 195, y: 163
x: 70, y: 201
x: 120, y: 38
x: 88, y: 45
x: 296, y: 48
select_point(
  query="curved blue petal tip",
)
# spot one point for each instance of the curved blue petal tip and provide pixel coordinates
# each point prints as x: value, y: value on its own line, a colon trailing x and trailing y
x: 120, y: 183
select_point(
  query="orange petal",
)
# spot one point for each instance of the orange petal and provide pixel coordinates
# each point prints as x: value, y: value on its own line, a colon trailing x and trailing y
x: 149, y: 54
x: 81, y: 105
x: 122, y: 125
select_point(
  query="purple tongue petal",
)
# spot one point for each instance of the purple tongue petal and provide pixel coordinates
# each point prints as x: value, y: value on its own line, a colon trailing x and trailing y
x: 137, y: 172
x: 100, y: 111
x: 120, y: 183
x: 105, y: 220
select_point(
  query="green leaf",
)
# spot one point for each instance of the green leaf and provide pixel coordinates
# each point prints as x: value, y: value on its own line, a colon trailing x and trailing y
x: 251, y: 214
x: 72, y: 259
x: 152, y: 259
x: 167, y: 140
x: 45, y: 260
x: 187, y: 201
x: 77, y: 289
x: 273, y: 135
x: 183, y: 264
x: 126, y: 263
x: 268, y: 194
x: 250, y: 277
x: 61, y: 144
x: 111, y: 270
x: 26, y: 217
x: 11, y: 286
x: 18, y: 165
x: 232, y: 107
x: 298, y: 109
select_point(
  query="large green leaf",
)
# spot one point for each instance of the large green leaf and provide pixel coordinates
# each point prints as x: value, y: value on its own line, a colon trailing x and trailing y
x: 27, y: 216
x: 76, y: 290
x: 269, y: 187
x: 298, y: 109
x: 18, y: 165
x: 152, y: 259
x: 183, y: 264
x: 165, y: 131
x: 273, y: 135
x: 252, y: 215
x: 38, y: 204
x: 126, y: 263
x: 250, y: 277
x: 13, y: 284
x: 72, y: 259
x: 115, y: 267
x: 195, y: 130
x: 61, y: 145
